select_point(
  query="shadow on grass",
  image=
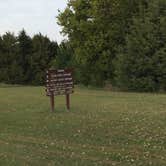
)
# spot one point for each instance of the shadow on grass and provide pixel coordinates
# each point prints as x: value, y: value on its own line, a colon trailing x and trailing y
x: 9, y: 86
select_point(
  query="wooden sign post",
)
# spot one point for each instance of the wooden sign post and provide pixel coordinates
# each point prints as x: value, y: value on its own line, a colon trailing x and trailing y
x: 59, y: 82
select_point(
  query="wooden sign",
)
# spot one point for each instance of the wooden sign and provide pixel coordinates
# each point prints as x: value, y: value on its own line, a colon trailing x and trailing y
x: 59, y: 82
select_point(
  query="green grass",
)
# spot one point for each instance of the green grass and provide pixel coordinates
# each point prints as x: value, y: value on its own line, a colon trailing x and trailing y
x: 103, y: 128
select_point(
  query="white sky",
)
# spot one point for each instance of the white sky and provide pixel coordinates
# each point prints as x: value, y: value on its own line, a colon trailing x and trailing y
x: 32, y: 15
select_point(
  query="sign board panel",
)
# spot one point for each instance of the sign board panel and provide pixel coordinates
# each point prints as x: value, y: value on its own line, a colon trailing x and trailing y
x: 59, y: 82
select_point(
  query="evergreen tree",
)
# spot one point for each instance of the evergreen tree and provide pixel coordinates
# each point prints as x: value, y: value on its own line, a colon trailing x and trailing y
x: 44, y: 51
x: 8, y: 53
x: 24, y: 60
x: 64, y: 57
x: 24, y: 56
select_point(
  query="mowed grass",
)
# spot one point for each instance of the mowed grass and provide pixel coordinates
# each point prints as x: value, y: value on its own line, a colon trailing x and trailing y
x: 103, y: 128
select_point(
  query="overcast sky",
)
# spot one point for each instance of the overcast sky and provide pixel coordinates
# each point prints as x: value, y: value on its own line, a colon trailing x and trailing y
x: 32, y: 15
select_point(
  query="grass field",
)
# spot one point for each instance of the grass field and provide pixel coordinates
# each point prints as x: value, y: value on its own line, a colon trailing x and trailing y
x: 102, y: 129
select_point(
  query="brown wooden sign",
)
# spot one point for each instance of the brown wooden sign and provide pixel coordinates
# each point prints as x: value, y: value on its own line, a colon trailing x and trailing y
x: 59, y: 82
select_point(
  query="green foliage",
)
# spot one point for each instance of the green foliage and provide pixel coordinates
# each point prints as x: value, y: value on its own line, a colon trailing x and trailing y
x: 25, y: 49
x: 44, y: 52
x: 24, y: 60
x: 8, y: 57
x: 118, y: 41
x: 142, y: 63
x: 114, y: 42
x: 96, y: 29
x: 64, y: 57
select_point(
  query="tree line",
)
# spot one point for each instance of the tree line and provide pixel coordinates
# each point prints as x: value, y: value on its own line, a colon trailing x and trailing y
x: 24, y: 59
x: 121, y: 42
x: 116, y: 42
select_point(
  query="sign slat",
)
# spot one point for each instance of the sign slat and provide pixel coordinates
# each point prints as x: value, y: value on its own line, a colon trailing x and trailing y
x: 59, y: 82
